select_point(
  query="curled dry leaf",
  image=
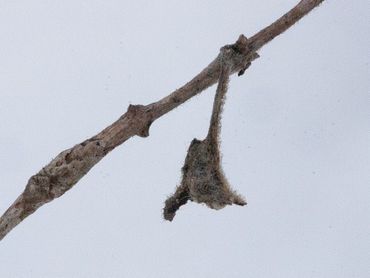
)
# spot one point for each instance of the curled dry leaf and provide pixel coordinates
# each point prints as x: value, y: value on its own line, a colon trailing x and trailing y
x: 203, y: 180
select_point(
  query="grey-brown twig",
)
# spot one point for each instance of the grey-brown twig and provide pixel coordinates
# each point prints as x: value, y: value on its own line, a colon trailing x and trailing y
x: 67, y: 168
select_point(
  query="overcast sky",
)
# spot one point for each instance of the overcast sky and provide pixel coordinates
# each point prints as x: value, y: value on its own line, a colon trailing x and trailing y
x: 295, y: 139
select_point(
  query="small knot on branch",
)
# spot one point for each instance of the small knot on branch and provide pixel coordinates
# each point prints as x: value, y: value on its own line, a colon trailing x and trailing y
x: 241, y: 45
x: 239, y: 54
x: 142, y: 117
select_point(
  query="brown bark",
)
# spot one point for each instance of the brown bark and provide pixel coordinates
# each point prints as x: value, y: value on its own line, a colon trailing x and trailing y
x: 64, y: 171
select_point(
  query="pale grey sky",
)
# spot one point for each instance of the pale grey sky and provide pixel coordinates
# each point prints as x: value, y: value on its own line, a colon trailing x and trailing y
x: 295, y: 139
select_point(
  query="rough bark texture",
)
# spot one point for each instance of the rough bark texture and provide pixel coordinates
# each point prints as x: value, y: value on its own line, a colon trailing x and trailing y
x: 71, y: 165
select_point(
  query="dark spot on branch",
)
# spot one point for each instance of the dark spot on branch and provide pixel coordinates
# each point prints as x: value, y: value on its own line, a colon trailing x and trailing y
x: 176, y: 99
x: 68, y: 157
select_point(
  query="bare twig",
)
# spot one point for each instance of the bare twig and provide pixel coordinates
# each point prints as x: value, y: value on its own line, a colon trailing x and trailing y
x: 67, y: 168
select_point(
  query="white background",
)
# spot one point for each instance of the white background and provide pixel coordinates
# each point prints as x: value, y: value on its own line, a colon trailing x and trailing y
x: 295, y: 139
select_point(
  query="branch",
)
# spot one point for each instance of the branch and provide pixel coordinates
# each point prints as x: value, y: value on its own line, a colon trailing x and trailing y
x: 67, y: 168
